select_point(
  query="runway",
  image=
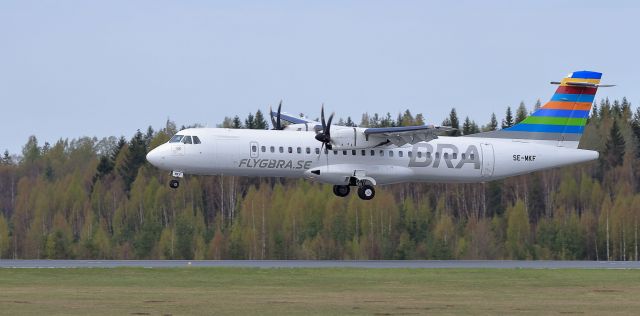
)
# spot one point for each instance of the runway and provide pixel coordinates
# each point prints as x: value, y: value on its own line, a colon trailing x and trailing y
x: 367, y: 264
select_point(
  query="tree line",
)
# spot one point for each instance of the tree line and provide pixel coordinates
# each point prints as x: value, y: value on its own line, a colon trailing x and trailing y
x: 99, y: 199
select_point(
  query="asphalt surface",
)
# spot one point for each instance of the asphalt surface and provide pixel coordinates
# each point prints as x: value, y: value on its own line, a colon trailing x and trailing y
x: 370, y: 264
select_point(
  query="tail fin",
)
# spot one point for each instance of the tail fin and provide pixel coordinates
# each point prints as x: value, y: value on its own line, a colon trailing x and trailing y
x: 561, y: 121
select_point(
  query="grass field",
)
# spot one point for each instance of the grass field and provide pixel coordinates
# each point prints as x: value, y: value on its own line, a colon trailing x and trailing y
x: 180, y: 291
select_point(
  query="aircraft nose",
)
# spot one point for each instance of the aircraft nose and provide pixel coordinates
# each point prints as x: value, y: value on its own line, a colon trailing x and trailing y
x: 154, y: 157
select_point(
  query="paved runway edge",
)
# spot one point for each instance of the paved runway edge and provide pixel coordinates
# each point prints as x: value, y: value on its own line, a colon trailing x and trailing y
x: 368, y: 264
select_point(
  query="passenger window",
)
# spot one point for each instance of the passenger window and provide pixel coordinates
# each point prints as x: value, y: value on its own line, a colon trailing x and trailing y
x: 196, y: 140
x: 455, y: 155
x: 176, y: 139
x: 373, y: 152
x: 364, y: 152
x: 187, y: 140
x: 272, y: 149
x: 344, y: 152
x: 446, y: 155
x: 299, y: 150
x: 390, y: 153
x: 381, y: 153
x: 335, y: 152
x: 463, y: 156
x: 254, y: 148
x: 472, y: 156
x: 317, y: 151
x: 419, y: 154
x: 437, y: 155
x: 281, y: 149
x: 263, y: 149
x: 353, y: 152
x: 308, y: 150
x: 400, y: 153
x: 290, y: 149
x: 428, y: 154
x: 409, y: 154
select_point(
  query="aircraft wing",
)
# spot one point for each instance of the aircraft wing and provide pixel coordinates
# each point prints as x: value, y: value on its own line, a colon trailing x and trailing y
x: 406, y: 134
x: 293, y: 119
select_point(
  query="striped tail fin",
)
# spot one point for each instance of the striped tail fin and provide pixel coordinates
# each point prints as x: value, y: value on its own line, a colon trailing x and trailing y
x: 561, y: 121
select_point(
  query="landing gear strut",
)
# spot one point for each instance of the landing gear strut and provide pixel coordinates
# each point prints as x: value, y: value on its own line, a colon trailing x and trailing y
x: 366, y: 192
x: 341, y: 190
x: 174, y: 184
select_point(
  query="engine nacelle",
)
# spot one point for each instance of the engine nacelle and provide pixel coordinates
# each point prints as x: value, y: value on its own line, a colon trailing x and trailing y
x: 350, y: 138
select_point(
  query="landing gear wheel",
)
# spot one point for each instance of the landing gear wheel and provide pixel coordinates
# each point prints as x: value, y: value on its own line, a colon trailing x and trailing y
x: 174, y: 184
x: 366, y: 192
x: 341, y: 190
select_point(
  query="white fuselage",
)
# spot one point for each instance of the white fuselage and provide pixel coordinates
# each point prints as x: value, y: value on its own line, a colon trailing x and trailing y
x: 297, y: 154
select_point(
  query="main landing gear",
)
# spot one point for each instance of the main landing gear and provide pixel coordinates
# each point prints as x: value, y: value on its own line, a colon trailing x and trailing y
x: 366, y: 191
x: 174, y: 183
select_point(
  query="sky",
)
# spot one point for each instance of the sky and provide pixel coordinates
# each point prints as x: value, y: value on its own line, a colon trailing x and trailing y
x: 107, y: 68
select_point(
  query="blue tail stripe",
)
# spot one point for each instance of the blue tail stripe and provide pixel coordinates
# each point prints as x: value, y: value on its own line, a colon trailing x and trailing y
x: 544, y: 128
x: 573, y: 97
x: 586, y: 75
x: 561, y: 113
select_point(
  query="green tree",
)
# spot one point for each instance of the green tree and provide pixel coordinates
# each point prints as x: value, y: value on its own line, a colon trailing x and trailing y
x: 4, y: 237
x: 455, y: 123
x: 134, y: 159
x: 521, y: 113
x: 259, y: 121
x: 614, y: 147
x: 493, y: 123
x: 250, y: 122
x: 508, y: 119
x: 518, y: 233
x: 236, y: 123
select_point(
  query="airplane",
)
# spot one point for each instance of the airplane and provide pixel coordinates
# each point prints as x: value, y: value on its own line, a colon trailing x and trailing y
x: 361, y: 157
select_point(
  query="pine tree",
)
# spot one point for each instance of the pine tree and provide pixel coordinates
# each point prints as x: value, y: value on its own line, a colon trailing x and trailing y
x: 135, y: 158
x: 635, y: 128
x: 493, y: 124
x: 508, y: 120
x: 466, y: 126
x: 249, y: 122
x: 236, y: 122
x: 455, y: 123
x: 259, y: 121
x: 537, y: 106
x: 349, y: 122
x: 6, y: 158
x: 521, y: 113
x: 614, y: 149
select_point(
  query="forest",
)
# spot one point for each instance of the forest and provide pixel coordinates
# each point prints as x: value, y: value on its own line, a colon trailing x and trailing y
x: 90, y: 198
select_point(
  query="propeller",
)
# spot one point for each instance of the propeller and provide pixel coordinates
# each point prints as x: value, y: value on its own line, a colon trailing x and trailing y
x: 325, y: 135
x: 276, y: 122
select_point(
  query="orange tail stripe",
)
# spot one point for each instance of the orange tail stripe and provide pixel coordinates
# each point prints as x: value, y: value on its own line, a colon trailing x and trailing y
x: 559, y: 105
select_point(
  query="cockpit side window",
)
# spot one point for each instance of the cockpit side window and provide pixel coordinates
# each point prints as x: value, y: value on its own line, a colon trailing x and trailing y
x: 196, y: 140
x: 187, y: 140
x: 176, y: 138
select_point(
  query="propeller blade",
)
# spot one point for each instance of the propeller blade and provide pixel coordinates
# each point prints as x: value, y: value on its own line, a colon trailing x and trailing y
x: 273, y: 122
x: 324, y: 125
x: 278, y: 121
x: 328, y: 131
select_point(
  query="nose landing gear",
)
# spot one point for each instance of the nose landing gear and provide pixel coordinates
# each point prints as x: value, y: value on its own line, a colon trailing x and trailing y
x: 174, y: 183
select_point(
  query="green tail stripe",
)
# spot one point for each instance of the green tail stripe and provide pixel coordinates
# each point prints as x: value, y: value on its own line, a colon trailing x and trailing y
x: 555, y: 120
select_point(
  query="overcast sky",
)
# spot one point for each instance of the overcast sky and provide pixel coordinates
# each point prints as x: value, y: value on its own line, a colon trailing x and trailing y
x: 101, y: 68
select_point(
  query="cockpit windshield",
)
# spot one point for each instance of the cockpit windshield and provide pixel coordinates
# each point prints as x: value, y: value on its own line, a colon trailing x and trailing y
x: 185, y: 139
x: 176, y: 139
